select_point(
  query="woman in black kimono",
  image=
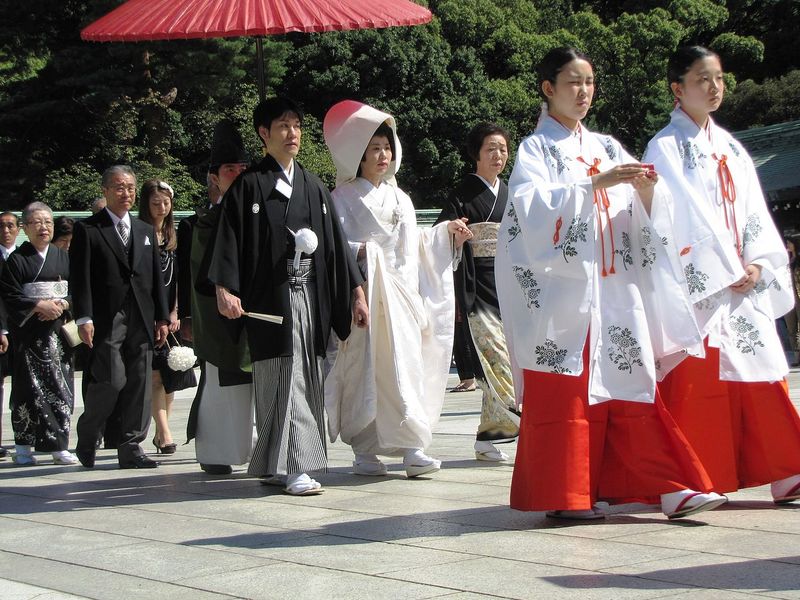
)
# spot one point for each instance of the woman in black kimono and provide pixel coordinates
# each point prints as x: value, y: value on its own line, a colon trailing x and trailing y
x: 481, y: 198
x: 36, y: 293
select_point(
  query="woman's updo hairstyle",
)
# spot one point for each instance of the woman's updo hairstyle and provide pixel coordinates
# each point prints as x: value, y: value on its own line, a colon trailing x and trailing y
x: 555, y: 60
x: 682, y: 60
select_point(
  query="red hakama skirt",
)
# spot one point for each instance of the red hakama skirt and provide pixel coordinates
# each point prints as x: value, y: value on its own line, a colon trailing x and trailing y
x: 571, y: 454
x: 746, y: 434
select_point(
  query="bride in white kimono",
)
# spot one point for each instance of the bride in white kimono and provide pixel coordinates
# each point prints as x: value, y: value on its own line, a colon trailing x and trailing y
x: 733, y: 404
x: 386, y: 388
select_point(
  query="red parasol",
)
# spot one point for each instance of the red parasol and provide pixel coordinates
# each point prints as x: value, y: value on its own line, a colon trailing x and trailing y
x: 140, y: 20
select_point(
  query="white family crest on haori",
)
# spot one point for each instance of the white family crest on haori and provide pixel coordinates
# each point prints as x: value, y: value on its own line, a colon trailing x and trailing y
x: 575, y: 267
x: 722, y: 224
x: 393, y: 373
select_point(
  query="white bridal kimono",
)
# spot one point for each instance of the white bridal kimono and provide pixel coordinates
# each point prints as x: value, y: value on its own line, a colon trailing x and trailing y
x: 721, y: 228
x: 386, y: 388
x: 562, y: 281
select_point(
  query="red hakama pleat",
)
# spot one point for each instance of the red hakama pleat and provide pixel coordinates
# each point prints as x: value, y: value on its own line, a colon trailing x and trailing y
x: 746, y: 434
x: 570, y: 454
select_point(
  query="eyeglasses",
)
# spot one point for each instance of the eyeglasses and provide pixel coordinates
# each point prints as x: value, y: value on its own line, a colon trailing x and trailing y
x: 121, y: 189
x: 39, y: 223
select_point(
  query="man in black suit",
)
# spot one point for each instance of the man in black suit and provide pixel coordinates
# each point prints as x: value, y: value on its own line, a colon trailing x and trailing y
x: 121, y: 310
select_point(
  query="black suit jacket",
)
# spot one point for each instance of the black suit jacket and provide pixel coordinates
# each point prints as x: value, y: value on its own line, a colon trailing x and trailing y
x: 102, y: 274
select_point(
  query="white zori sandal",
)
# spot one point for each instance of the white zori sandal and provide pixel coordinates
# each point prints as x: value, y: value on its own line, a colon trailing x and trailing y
x: 786, y: 490
x: 417, y: 463
x: 678, y: 505
x: 302, y: 485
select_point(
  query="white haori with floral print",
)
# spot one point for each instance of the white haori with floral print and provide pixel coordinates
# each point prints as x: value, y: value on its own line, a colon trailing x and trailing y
x: 553, y: 247
x: 717, y: 238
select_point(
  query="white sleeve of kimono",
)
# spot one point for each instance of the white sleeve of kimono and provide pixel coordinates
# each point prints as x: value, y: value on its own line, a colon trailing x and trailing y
x: 762, y: 245
x: 706, y: 256
x: 547, y: 240
x: 545, y: 212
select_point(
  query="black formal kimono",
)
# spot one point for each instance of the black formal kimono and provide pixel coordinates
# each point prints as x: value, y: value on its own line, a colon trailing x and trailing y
x: 42, y: 398
x: 251, y: 256
x: 476, y: 295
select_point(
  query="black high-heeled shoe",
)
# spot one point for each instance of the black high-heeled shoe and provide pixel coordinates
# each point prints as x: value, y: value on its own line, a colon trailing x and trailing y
x: 166, y: 448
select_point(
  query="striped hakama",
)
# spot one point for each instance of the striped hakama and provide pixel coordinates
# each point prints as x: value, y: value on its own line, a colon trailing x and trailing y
x: 288, y: 390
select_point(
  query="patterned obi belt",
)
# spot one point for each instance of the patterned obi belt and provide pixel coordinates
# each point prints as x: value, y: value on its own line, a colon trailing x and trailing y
x: 484, y: 240
x: 304, y: 274
x: 46, y: 290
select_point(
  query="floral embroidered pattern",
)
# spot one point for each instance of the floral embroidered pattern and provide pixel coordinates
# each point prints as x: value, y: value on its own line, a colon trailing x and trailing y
x: 554, y: 154
x: 746, y: 335
x: 751, y: 229
x: 551, y: 355
x: 710, y: 303
x: 624, y: 350
x: 576, y: 232
x: 762, y: 286
x: 689, y: 152
x: 625, y: 251
x: 648, y: 252
x: 514, y: 230
x: 734, y: 149
x: 695, y: 279
x: 609, y: 148
x: 529, y: 286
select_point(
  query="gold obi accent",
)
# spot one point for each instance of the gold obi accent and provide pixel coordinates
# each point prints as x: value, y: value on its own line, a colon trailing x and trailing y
x: 484, y: 240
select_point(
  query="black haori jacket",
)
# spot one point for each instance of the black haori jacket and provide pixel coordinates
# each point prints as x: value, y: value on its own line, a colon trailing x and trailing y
x: 252, y: 243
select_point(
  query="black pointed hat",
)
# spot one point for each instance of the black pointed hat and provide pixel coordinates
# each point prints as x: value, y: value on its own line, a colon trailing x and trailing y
x: 227, y: 146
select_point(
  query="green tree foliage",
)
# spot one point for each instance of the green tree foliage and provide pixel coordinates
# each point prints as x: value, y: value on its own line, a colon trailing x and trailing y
x: 69, y: 108
x: 754, y: 104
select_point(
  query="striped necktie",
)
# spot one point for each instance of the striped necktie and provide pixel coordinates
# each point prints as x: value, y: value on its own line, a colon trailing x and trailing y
x: 123, y: 232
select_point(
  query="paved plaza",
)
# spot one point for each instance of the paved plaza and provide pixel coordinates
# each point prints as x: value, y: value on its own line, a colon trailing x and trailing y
x: 175, y: 533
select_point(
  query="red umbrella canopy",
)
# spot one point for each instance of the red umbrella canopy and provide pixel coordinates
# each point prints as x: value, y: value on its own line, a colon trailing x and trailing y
x: 139, y: 20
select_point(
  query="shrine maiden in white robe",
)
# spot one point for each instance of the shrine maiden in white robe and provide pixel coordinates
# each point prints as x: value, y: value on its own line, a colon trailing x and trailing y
x: 720, y: 228
x: 394, y: 373
x: 563, y: 279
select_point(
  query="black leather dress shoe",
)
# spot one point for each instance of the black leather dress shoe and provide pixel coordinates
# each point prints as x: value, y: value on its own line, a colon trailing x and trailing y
x: 3, y: 452
x: 138, y: 462
x: 216, y: 469
x: 86, y: 457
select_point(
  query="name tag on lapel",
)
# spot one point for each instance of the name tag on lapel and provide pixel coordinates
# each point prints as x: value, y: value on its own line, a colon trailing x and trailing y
x: 283, y: 188
x: 147, y: 240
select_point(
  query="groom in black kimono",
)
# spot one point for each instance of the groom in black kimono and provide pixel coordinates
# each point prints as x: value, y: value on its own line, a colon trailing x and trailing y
x: 251, y: 265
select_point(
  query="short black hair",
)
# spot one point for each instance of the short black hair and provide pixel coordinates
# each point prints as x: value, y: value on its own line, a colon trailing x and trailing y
x: 8, y: 213
x: 555, y: 60
x: 270, y: 109
x: 682, y: 60
x: 62, y: 227
x: 479, y: 133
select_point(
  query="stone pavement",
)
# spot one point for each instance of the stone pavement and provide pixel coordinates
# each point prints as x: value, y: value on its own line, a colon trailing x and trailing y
x: 174, y: 533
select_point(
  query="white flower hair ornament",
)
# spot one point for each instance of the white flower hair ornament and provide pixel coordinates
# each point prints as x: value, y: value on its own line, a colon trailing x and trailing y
x: 306, y: 241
